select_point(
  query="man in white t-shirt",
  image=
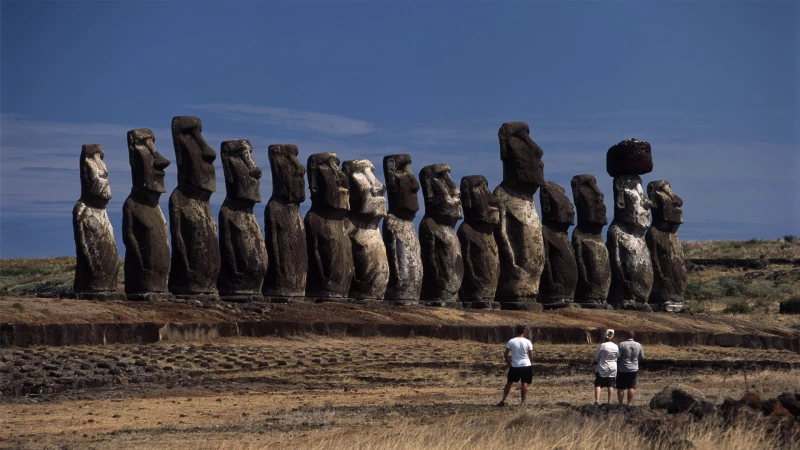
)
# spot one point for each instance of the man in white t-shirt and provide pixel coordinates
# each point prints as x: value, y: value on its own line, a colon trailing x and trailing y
x: 518, y: 355
x: 606, y: 369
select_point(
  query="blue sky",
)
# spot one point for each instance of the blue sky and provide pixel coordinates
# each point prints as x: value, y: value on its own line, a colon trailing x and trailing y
x: 712, y: 85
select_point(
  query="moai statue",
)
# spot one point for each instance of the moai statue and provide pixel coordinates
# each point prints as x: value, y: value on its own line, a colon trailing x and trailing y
x: 399, y: 235
x: 591, y: 254
x: 669, y: 272
x: 478, y: 247
x: 443, y: 267
x: 97, y: 265
x: 284, y: 231
x: 519, y: 233
x: 144, y: 228
x: 330, y: 258
x: 243, y: 254
x: 560, y: 274
x: 631, y: 268
x: 195, y: 262
x: 367, y: 208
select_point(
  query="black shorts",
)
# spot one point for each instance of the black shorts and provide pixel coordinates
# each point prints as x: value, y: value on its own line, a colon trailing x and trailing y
x: 626, y: 380
x: 520, y: 373
x: 599, y: 381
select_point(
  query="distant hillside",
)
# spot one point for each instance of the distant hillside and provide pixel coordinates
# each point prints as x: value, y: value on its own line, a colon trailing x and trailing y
x: 786, y: 247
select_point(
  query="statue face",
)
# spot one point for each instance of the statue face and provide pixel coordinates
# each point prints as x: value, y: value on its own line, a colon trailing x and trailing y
x: 147, y: 165
x: 194, y: 156
x: 94, y: 176
x: 666, y: 204
x: 631, y: 204
x: 366, y: 191
x: 588, y: 200
x: 288, y: 182
x: 442, y: 196
x: 556, y: 207
x: 480, y: 205
x: 522, y: 158
x: 401, y: 184
x: 328, y: 185
x: 241, y: 172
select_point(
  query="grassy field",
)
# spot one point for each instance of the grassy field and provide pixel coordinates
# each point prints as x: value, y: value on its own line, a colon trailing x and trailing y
x: 369, y: 393
x: 786, y: 247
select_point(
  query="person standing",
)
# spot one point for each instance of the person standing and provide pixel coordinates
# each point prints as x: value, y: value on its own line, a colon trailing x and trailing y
x: 518, y: 356
x: 606, y: 369
x: 630, y: 353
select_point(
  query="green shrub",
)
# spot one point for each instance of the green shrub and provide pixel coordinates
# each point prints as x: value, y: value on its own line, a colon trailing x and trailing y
x: 738, y: 307
x: 18, y: 306
x: 790, y: 238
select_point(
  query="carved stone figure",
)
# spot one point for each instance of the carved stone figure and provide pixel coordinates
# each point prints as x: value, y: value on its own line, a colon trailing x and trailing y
x: 367, y: 208
x: 443, y: 267
x: 284, y: 231
x: 478, y: 247
x: 195, y: 261
x: 399, y: 236
x: 519, y: 233
x: 243, y: 254
x: 591, y: 254
x: 97, y: 265
x: 144, y: 228
x: 631, y: 267
x: 330, y: 258
x: 560, y: 274
x: 669, y: 271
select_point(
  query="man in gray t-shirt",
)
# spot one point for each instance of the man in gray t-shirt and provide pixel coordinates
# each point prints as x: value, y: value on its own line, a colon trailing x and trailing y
x: 630, y: 353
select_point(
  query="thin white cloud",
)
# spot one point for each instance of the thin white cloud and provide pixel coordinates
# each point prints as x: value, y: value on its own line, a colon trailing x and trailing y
x: 292, y: 119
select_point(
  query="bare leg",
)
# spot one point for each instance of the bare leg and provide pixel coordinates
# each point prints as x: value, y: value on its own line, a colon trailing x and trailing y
x: 597, y: 390
x: 631, y: 394
x: 506, y: 390
x: 523, y: 392
x: 621, y: 396
x: 610, y: 394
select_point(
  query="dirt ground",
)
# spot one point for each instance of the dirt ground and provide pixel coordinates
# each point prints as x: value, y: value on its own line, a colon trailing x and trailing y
x: 290, y: 393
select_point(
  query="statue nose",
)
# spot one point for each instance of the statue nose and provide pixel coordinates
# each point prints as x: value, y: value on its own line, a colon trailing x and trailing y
x: 380, y: 190
x: 256, y: 173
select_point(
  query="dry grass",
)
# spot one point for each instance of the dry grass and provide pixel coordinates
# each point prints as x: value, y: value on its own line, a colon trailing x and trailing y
x: 786, y: 247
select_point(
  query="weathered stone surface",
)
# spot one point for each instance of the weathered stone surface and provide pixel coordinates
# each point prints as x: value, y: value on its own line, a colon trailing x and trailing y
x: 399, y: 236
x: 195, y: 263
x: 629, y: 157
x: 330, y: 258
x: 560, y: 274
x: 443, y: 267
x: 519, y: 233
x: 144, y: 228
x: 631, y: 267
x: 591, y: 254
x: 669, y: 270
x: 367, y: 208
x: 242, y: 251
x: 97, y: 265
x: 284, y: 231
x: 478, y: 247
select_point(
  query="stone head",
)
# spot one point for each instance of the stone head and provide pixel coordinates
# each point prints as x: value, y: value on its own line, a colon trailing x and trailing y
x: 480, y: 205
x: 442, y: 196
x: 666, y: 204
x: 366, y: 191
x: 522, y: 158
x: 241, y: 172
x: 328, y: 185
x: 288, y: 182
x: 194, y: 157
x: 556, y: 207
x: 631, y: 205
x: 589, y: 201
x: 402, y: 185
x: 147, y: 165
x: 95, y: 187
